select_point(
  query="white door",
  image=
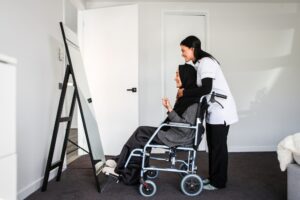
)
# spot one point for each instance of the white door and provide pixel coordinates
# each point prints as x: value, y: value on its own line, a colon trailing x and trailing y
x: 176, y: 27
x: 110, y: 53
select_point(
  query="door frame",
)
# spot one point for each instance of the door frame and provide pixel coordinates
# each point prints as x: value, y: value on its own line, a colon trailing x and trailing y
x: 75, y: 6
x: 180, y: 12
x: 164, y: 13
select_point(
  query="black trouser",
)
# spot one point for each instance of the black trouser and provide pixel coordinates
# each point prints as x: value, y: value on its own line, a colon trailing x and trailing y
x: 138, y: 139
x: 216, y: 136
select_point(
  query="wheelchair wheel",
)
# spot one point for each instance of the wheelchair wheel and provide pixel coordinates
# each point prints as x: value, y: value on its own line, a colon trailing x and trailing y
x: 148, y: 189
x: 191, y: 185
x: 152, y: 174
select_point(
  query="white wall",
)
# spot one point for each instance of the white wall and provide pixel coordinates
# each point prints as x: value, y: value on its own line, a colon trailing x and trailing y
x: 258, y: 46
x: 30, y: 32
x: 70, y: 15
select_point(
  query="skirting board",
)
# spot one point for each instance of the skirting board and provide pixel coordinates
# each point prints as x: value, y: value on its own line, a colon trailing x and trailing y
x: 252, y: 148
x: 36, y: 185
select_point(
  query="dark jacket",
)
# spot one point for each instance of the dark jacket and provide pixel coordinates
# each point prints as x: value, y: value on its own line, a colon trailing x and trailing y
x: 180, y: 136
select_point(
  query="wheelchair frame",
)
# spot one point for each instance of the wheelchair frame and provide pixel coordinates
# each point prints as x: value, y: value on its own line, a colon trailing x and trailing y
x: 140, y: 152
x: 187, y: 167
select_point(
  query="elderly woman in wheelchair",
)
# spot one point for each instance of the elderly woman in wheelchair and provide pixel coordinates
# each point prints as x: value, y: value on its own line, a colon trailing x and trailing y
x: 181, y: 131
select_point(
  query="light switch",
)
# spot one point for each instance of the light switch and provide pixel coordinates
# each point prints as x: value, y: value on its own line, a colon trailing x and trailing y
x: 61, y: 54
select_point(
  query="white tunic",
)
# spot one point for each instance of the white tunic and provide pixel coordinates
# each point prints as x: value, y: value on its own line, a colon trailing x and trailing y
x: 209, y: 68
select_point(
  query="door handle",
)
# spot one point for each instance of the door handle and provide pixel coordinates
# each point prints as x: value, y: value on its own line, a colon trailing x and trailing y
x: 132, y: 89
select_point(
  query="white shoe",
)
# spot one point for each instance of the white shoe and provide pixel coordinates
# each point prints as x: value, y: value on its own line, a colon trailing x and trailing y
x: 205, y: 181
x: 99, y: 166
x: 111, y: 163
x: 209, y: 187
x: 109, y: 171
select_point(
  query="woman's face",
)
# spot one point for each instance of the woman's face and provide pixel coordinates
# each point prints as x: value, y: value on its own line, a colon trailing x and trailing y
x: 187, y: 53
x: 178, y: 80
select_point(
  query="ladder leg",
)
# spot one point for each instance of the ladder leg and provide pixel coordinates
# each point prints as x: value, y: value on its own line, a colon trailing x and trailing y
x: 55, y: 130
x: 63, y: 153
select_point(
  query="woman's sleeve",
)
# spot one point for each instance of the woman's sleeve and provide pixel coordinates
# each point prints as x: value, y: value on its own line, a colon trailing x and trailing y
x: 188, y: 116
x: 199, y: 91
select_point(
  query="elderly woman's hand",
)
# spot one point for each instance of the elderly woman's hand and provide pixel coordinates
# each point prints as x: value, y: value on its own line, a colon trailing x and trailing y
x: 166, y: 104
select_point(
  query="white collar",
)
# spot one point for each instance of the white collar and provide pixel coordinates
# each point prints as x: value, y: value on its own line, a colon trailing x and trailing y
x: 191, y: 63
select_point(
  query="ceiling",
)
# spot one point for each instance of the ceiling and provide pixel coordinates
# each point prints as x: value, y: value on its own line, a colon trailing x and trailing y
x: 180, y: 1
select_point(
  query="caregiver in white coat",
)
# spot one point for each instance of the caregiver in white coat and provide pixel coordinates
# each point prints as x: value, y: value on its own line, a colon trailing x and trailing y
x: 210, y: 78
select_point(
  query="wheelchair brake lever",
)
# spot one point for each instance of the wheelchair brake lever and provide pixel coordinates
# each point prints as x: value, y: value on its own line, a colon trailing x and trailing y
x: 213, y: 100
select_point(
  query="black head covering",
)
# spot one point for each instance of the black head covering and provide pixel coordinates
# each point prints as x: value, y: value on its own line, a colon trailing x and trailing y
x: 188, y: 76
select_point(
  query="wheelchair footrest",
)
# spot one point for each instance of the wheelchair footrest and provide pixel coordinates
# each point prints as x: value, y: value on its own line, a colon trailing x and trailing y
x: 135, y: 153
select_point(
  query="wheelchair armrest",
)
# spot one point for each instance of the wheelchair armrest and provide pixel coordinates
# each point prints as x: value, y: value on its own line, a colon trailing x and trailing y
x: 176, y: 124
x: 171, y: 124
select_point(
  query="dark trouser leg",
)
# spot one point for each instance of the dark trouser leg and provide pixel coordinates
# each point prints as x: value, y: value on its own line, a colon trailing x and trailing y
x: 137, y: 140
x: 208, y: 140
x: 217, y: 154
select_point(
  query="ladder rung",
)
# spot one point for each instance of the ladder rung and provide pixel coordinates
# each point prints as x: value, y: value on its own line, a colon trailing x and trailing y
x: 64, y: 119
x: 57, y: 164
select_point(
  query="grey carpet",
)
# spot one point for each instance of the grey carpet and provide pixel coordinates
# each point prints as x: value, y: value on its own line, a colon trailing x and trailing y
x: 251, y: 176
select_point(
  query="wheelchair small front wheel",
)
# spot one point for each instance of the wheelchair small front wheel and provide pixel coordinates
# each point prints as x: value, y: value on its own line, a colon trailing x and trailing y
x: 191, y: 185
x: 183, y: 167
x: 148, y: 188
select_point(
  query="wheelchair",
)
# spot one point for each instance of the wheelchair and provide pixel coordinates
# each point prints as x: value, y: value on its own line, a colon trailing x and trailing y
x: 191, y: 183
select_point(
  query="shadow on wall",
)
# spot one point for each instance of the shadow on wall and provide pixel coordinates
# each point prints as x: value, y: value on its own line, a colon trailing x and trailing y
x: 269, y: 78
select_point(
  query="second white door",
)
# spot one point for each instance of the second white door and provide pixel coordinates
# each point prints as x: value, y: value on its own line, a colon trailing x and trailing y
x: 176, y: 27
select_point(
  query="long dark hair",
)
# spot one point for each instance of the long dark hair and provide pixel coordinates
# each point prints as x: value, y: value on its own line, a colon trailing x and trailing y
x: 194, y: 42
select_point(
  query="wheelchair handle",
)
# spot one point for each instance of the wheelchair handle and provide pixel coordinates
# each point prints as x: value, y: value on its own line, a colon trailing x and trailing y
x: 214, y: 94
x: 213, y: 100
